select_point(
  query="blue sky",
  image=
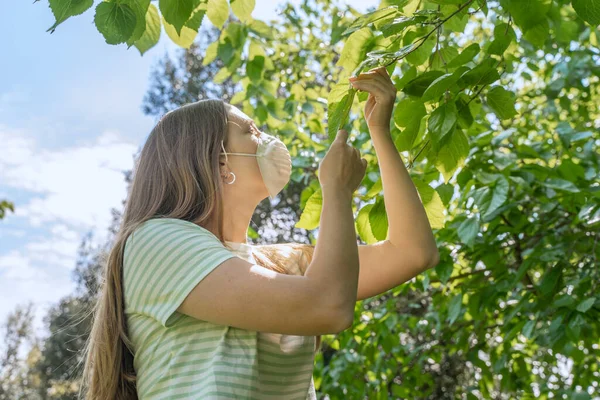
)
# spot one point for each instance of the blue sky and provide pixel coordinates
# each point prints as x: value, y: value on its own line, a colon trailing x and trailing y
x: 70, y: 123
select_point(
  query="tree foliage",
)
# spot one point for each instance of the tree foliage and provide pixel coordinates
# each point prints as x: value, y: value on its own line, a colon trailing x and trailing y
x: 497, y: 116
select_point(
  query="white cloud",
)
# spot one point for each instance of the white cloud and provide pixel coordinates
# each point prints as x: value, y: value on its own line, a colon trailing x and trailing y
x: 72, y: 190
x: 74, y: 185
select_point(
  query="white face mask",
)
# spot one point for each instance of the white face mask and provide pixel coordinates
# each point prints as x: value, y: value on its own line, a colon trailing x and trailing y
x: 274, y: 162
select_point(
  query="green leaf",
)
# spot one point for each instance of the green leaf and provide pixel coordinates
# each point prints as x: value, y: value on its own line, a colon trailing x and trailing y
x: 367, y: 19
x: 339, y: 103
x: 581, y: 396
x: 189, y: 31
x: 378, y: 219
x: 408, y: 114
x: 363, y: 226
x: 434, y: 208
x: 141, y: 9
x: 504, y: 34
x: 528, y: 329
x: 574, y: 327
x: 561, y: 184
x: 418, y: 85
x: 585, y: 305
x: 261, y: 28
x: 422, y: 54
x: 452, y: 154
x: 218, y: 12
x: 550, y: 280
x: 441, y: 121
x: 502, y: 102
x: 467, y: 231
x: 588, y: 10
x: 355, y: 48
x: 152, y: 33
x: 483, y: 74
x: 177, y: 12
x: 538, y: 33
x: 454, y: 308
x: 438, y: 87
x: 243, y: 9
x: 255, y: 67
x: 311, y: 214
x: 65, y: 9
x: 528, y: 13
x: 444, y: 270
x: 457, y: 22
x: 465, y: 56
x: 401, y: 23
x: 115, y: 21
x: 440, y: 57
x: 490, y: 198
x: 465, y: 119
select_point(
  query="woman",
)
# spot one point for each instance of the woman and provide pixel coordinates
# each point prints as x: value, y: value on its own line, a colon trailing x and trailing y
x: 189, y: 309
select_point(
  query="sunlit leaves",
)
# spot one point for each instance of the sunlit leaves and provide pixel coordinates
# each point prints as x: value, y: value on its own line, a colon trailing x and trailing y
x: 452, y: 154
x: 568, y: 135
x: 189, y: 30
x: 419, y: 56
x: 483, y: 74
x: 243, y: 9
x: 489, y: 198
x: 502, y: 102
x: 152, y: 33
x: 63, y: 9
x: 355, y: 48
x: 504, y: 34
x: 116, y: 21
x: 434, y: 208
x: 370, y: 18
x: 439, y: 86
x: 217, y: 12
x: 363, y: 225
x: 399, y: 24
x: 338, y: 106
x: 378, y: 219
x: 467, y: 231
x: 442, y: 121
x: 408, y: 114
x: 561, y: 184
x: 177, y: 12
x: 588, y: 10
x: 311, y: 214
x: 527, y: 14
x: 418, y: 85
x: 140, y: 7
x: 464, y: 56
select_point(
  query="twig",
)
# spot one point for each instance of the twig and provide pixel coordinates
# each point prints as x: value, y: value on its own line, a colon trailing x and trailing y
x: 424, y: 38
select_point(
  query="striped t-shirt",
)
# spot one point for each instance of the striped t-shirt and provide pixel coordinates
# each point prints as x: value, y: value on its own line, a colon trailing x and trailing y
x: 180, y: 357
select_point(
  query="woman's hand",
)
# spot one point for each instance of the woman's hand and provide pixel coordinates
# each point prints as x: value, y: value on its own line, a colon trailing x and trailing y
x: 382, y: 94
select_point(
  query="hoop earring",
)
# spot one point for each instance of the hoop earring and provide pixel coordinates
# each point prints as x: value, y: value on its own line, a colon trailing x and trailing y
x: 229, y: 183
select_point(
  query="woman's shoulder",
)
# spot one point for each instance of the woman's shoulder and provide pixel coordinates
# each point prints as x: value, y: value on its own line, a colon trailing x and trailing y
x: 162, y: 228
x: 154, y: 222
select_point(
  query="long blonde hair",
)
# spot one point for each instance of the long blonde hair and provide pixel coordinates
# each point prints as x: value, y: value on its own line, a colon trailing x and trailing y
x: 176, y: 176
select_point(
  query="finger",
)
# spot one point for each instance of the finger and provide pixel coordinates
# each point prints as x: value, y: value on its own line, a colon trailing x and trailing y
x: 376, y: 77
x: 380, y: 76
x: 342, y: 135
x: 383, y: 72
x: 378, y: 89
